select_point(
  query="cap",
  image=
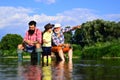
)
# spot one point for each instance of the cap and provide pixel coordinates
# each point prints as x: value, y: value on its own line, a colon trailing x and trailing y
x: 57, y: 25
x: 48, y: 26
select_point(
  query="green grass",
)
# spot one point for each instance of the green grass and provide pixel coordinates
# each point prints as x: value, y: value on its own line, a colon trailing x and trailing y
x: 108, y: 49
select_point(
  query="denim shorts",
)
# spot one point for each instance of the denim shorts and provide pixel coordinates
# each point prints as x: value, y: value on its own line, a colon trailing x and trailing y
x: 46, y: 50
x: 29, y: 49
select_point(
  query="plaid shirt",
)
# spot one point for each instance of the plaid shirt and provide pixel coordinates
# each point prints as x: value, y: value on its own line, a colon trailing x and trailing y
x: 37, y: 36
x: 59, y: 40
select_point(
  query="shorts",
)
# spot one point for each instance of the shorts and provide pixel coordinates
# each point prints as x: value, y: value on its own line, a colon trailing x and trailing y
x: 46, y: 51
x: 29, y: 49
x: 57, y: 48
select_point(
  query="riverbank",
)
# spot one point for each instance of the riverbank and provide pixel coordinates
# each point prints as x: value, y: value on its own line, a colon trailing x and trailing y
x: 74, y: 57
x: 30, y: 57
x: 15, y: 57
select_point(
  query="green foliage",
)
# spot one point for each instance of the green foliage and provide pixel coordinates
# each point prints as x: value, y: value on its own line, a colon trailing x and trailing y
x: 76, y: 50
x: 1, y: 53
x: 96, y: 31
x: 9, y: 44
x: 78, y: 36
x: 10, y: 41
x: 113, y: 50
x: 12, y: 53
x: 68, y: 36
x: 107, y: 49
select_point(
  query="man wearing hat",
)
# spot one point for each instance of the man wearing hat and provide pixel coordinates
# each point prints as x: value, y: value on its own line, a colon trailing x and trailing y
x: 58, y: 41
x: 47, y: 34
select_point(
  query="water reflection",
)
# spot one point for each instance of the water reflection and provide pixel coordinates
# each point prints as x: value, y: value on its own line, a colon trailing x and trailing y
x: 62, y: 71
x: 103, y: 69
x: 29, y: 72
x: 20, y: 71
x: 32, y: 72
x: 70, y: 70
x: 47, y: 72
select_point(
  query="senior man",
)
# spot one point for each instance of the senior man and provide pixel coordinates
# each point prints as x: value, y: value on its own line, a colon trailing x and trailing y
x: 58, y: 44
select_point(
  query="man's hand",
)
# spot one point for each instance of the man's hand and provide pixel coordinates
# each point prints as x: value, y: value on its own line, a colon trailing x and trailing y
x: 30, y: 42
x: 27, y: 42
x: 67, y: 45
x: 79, y: 26
x: 60, y: 45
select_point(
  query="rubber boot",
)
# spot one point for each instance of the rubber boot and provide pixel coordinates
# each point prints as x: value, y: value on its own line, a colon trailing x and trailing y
x: 38, y: 51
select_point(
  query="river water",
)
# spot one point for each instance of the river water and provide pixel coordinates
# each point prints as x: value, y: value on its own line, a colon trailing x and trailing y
x: 78, y: 69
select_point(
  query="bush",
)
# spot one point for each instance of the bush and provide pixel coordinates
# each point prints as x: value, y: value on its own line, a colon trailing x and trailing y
x: 1, y: 53
x: 107, y: 49
x: 9, y: 43
x: 113, y: 50
x: 76, y: 50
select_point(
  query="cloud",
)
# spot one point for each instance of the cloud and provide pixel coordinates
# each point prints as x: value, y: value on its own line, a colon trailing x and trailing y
x: 112, y: 17
x: 15, y: 19
x: 11, y: 16
x: 46, y: 1
x: 16, y: 16
x: 71, y: 17
x: 77, y: 16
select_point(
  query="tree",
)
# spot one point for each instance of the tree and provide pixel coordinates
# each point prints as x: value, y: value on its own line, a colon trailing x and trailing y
x: 68, y: 36
x: 10, y: 41
x: 97, y: 31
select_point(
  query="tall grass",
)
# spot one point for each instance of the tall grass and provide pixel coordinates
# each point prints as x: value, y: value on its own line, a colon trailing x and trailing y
x: 107, y: 49
x: 6, y: 53
x: 76, y: 50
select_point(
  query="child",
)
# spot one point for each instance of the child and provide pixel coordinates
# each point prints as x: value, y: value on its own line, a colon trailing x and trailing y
x: 47, y: 37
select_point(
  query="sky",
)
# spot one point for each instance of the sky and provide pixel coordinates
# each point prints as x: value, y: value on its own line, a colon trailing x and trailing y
x: 15, y: 14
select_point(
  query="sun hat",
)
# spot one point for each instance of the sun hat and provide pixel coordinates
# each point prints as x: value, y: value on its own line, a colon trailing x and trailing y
x: 48, y: 26
x: 57, y: 25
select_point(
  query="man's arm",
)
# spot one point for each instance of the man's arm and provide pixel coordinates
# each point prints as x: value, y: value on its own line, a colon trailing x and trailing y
x: 71, y: 28
x: 76, y: 27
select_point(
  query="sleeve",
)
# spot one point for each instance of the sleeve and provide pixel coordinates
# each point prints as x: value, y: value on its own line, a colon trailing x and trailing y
x: 66, y: 29
x: 39, y: 36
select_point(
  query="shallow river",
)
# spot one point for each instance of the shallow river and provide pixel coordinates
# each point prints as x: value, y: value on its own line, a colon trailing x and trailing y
x: 105, y: 69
